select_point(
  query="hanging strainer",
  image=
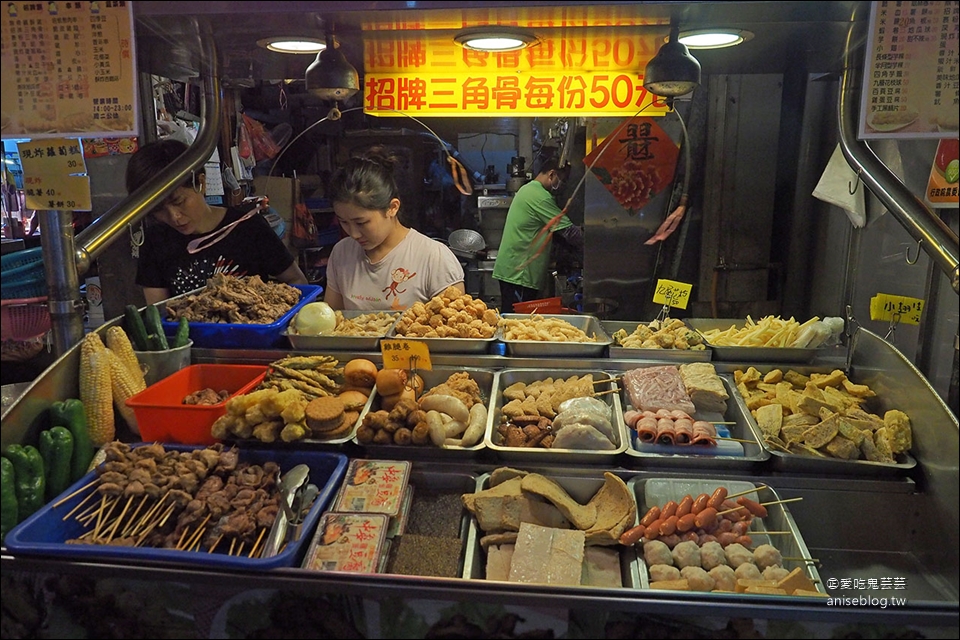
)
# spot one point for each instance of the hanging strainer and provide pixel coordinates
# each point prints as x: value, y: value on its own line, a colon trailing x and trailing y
x: 466, y: 243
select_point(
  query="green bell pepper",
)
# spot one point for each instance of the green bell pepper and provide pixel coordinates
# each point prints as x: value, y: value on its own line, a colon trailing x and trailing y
x: 70, y: 414
x: 31, y: 481
x: 9, y: 517
x: 56, y: 449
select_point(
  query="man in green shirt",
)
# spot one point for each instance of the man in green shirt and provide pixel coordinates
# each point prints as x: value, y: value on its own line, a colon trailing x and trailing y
x: 524, y: 253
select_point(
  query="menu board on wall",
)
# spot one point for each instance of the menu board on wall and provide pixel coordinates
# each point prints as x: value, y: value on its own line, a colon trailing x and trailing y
x: 68, y: 70
x: 912, y: 74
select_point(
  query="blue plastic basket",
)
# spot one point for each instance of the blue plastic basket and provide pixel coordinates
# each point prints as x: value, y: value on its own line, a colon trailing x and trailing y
x: 47, y: 531
x: 219, y: 335
x: 21, y: 259
x: 31, y: 286
x: 22, y: 275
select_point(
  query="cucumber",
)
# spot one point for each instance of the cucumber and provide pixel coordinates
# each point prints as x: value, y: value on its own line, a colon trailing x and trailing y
x: 182, y: 336
x: 155, y: 328
x: 136, y: 331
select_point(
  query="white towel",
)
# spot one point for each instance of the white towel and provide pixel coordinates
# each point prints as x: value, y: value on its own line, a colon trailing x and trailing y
x: 835, y: 184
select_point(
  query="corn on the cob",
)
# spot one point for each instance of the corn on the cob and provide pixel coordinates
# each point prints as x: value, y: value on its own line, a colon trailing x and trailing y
x: 124, y: 386
x: 95, y: 389
x: 119, y: 343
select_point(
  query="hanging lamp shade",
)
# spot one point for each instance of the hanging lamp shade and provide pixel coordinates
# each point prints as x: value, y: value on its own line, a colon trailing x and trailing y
x: 330, y: 76
x: 673, y: 71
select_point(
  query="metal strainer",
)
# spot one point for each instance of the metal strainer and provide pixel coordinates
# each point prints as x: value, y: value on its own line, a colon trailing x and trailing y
x: 466, y: 243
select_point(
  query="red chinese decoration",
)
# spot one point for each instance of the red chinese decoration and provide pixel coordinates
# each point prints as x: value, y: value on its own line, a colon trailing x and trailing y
x: 635, y: 163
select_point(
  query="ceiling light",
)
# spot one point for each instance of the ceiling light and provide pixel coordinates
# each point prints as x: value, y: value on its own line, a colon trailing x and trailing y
x: 714, y: 38
x: 495, y: 38
x: 673, y: 71
x: 293, y: 44
x: 330, y: 76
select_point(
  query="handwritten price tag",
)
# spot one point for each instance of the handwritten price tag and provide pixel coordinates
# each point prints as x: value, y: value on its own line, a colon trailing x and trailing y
x: 673, y: 294
x: 405, y: 354
x: 900, y: 308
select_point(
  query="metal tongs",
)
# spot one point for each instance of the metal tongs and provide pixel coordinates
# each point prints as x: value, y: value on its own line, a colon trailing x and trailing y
x: 289, y: 485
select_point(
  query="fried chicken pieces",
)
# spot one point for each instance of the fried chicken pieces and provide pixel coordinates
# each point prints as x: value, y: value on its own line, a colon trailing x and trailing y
x: 232, y: 300
x: 449, y: 315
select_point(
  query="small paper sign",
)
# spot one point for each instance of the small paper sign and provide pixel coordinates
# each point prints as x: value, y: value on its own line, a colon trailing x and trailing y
x: 405, y: 354
x: 54, y: 175
x: 673, y: 294
x: 891, y: 308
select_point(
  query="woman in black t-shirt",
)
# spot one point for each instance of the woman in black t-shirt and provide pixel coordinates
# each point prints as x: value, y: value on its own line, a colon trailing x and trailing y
x: 197, y: 240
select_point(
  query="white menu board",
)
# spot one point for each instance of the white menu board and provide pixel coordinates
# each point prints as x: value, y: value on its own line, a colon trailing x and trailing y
x: 912, y: 74
x: 69, y: 70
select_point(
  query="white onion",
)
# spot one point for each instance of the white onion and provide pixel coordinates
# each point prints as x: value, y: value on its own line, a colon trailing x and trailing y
x: 315, y: 319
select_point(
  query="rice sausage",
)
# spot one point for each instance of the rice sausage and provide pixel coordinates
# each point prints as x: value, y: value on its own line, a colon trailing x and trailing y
x: 687, y: 522
x: 706, y: 519
x: 632, y: 535
x: 716, y: 500
x: 668, y: 526
x: 650, y: 516
x: 669, y: 509
x: 699, y: 503
x: 755, y: 508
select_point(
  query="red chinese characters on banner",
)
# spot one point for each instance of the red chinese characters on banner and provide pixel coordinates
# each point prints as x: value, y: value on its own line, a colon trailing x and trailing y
x: 635, y: 163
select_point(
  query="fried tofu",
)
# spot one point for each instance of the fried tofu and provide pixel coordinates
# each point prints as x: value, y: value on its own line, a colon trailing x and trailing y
x: 900, y: 434
x: 843, y: 448
x: 820, y: 434
x: 833, y: 379
x: 796, y: 579
x: 858, y: 390
x: 796, y: 379
x: 770, y: 419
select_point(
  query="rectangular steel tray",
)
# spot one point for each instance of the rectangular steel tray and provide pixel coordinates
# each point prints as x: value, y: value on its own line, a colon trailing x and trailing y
x: 580, y: 489
x: 657, y: 491
x: 747, y: 354
x: 671, y: 355
x: 432, y: 378
x: 792, y: 462
x: 507, y: 377
x: 46, y: 532
x: 347, y: 343
x: 753, y: 453
x: 450, y: 345
x: 590, y: 325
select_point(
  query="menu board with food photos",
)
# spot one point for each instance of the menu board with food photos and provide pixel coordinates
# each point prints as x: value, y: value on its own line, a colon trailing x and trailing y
x: 910, y: 80
x: 68, y: 70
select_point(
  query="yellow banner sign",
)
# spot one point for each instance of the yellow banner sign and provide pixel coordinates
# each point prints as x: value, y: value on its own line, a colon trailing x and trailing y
x: 671, y: 293
x: 900, y: 309
x: 405, y: 354
x: 54, y: 175
x: 534, y: 94
x: 600, y: 74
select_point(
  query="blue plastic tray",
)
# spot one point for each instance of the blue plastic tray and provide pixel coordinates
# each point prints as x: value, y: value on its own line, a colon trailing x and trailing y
x: 218, y: 335
x: 46, y: 532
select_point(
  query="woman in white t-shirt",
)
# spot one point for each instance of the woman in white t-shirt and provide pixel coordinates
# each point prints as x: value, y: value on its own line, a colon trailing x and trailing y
x: 382, y: 264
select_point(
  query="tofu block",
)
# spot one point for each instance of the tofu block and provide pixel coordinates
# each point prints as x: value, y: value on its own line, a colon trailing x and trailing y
x: 671, y: 585
x: 767, y: 590
x: 746, y: 583
x: 601, y: 567
x: 499, y: 558
x: 547, y: 556
x: 797, y: 579
x: 805, y: 592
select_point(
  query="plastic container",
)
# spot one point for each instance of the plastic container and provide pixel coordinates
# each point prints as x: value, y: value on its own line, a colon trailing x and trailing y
x: 162, y: 416
x: 157, y: 365
x: 544, y: 305
x: 25, y: 318
x: 46, y: 532
x: 219, y: 335
x: 22, y: 275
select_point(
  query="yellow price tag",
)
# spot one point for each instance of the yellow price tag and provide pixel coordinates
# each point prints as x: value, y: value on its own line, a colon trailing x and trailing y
x: 902, y: 309
x: 405, y: 354
x: 673, y: 294
x: 54, y: 175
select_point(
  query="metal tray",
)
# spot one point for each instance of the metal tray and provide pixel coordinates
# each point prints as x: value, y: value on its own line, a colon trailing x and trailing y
x: 671, y: 355
x: 580, y: 489
x: 657, y: 491
x: 346, y: 343
x: 507, y: 377
x: 485, y: 380
x: 540, y: 348
x: 451, y: 345
x: 809, y: 464
x: 747, y: 354
x: 752, y: 453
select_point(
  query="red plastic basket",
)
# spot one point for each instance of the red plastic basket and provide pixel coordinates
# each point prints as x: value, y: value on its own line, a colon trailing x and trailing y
x: 24, y: 318
x: 544, y: 305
